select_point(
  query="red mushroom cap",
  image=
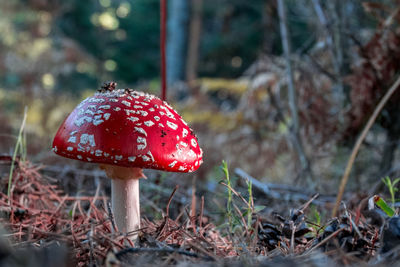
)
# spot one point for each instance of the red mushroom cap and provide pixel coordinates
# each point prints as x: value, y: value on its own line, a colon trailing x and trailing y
x: 131, y: 129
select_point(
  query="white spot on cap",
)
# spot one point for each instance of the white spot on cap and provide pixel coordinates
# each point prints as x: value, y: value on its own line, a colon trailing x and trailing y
x: 79, y: 157
x: 151, y: 156
x: 98, y: 153
x: 117, y: 108
x: 172, y: 164
x: 131, y: 159
x: 72, y: 139
x: 106, y: 116
x: 55, y: 149
x: 118, y: 157
x: 145, y: 158
x: 106, y: 154
x: 82, y: 120
x: 193, y: 142
x: 142, y: 143
x: 137, y: 106
x: 89, y: 159
x: 184, y: 122
x: 148, y: 123
x: 181, y: 168
x: 70, y: 148
x: 115, y: 100
x: 169, y: 113
x: 126, y: 103
x: 129, y: 111
x: 96, y: 100
x: 172, y: 125
x: 140, y: 130
x: 105, y: 107
x: 133, y: 119
x: 88, y: 111
x: 151, y: 109
x: 184, y: 132
x: 156, y: 118
x: 183, y: 144
x: 144, y: 113
x: 97, y: 122
x: 73, y: 132
x: 161, y: 125
x: 87, y: 138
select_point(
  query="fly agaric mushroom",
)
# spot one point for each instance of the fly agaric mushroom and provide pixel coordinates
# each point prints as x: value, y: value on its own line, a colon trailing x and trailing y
x: 125, y: 131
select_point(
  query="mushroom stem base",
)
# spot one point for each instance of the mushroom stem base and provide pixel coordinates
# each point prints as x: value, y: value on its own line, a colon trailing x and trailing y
x: 125, y: 205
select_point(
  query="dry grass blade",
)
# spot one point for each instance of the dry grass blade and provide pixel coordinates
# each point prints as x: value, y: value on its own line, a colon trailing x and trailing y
x: 360, y: 140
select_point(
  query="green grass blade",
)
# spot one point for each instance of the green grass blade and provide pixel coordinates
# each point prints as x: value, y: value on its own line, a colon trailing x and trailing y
x: 225, y: 170
x: 383, y: 205
x: 18, y: 146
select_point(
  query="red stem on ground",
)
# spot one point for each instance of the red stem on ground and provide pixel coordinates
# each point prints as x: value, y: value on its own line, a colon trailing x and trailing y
x: 163, y: 35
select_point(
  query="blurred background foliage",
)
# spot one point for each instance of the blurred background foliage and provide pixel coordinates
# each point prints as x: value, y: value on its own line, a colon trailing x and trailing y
x: 226, y: 75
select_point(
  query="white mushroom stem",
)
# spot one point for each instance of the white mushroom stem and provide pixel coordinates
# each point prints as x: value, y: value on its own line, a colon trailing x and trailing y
x: 125, y: 197
x: 125, y: 204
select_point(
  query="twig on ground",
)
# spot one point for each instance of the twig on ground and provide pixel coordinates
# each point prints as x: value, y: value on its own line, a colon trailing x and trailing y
x: 288, y: 192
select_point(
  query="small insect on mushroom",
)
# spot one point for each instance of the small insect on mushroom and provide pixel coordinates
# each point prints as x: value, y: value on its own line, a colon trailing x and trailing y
x: 109, y: 128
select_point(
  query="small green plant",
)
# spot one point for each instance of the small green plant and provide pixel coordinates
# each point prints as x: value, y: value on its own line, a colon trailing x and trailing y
x: 380, y: 202
x: 250, y: 206
x: 314, y: 220
x: 20, y: 146
x: 316, y: 216
x: 224, y: 168
x: 238, y: 217
x: 391, y: 185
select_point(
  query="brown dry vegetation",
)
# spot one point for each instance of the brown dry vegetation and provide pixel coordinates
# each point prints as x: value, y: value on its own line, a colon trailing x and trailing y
x: 58, y: 210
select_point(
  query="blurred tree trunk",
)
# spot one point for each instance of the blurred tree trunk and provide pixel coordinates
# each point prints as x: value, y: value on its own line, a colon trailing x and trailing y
x: 178, y: 18
x: 294, y: 126
x: 194, y: 40
x: 269, y: 26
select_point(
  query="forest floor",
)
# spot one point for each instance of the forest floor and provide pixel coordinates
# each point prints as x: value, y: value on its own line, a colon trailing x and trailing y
x: 45, y: 226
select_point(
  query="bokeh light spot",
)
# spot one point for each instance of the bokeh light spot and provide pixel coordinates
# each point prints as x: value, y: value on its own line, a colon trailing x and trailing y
x: 110, y: 65
x: 48, y: 81
x: 123, y: 10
